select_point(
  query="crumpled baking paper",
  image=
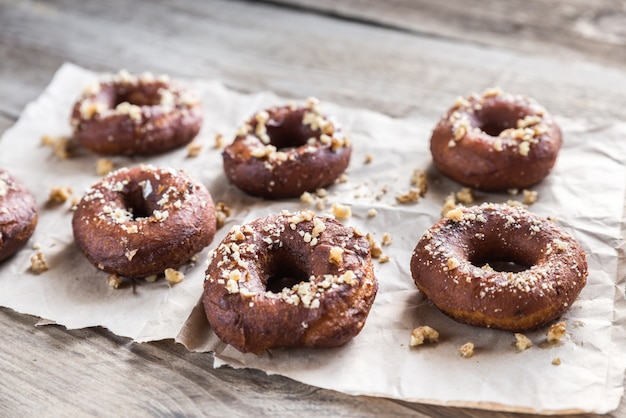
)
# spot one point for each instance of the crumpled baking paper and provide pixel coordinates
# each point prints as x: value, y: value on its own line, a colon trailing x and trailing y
x: 585, y: 192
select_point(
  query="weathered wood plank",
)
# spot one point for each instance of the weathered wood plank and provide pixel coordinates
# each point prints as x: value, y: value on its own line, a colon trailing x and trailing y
x: 578, y: 30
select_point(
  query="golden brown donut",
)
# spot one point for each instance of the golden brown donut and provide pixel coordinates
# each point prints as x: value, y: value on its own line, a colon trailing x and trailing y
x: 496, y: 141
x: 140, y: 115
x: 139, y: 221
x: 285, y: 151
x: 18, y: 216
x: 450, y: 266
x: 289, y: 280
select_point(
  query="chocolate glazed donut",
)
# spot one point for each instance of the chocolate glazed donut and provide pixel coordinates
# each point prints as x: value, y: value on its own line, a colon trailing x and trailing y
x: 496, y: 141
x: 452, y: 266
x: 286, y: 151
x: 18, y: 216
x: 139, y: 221
x: 289, y: 280
x: 140, y: 115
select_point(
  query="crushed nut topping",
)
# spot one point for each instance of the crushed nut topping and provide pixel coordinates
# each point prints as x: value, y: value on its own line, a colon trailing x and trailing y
x: 38, y: 263
x: 556, y: 332
x: 59, y: 195
x: 556, y: 361
x: 222, y: 212
x: 341, y: 211
x: 194, y: 149
x: 336, y: 255
x: 104, y: 166
x: 467, y: 350
x: 114, y: 281
x: 522, y: 342
x: 174, y: 276
x: 530, y: 196
x: 423, y: 334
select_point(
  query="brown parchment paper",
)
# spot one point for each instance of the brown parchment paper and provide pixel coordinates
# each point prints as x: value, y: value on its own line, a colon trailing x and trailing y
x: 586, y: 192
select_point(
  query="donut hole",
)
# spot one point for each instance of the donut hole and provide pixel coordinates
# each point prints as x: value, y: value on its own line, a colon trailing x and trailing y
x: 503, y: 260
x: 493, y: 120
x: 284, y: 271
x: 136, y: 204
x: 286, y: 130
x: 144, y: 95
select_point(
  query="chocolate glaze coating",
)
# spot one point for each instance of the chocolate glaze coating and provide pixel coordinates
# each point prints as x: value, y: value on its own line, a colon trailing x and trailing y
x: 291, y: 151
x: 139, y: 221
x: 448, y: 267
x: 136, y: 115
x: 272, y: 283
x: 496, y: 142
x: 18, y: 216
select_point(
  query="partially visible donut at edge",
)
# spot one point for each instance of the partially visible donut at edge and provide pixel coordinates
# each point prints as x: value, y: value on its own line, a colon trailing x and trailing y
x: 18, y: 216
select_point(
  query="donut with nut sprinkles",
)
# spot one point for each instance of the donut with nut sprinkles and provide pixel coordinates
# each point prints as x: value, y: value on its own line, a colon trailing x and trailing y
x: 499, y: 266
x: 136, y: 115
x: 140, y: 221
x: 285, y: 151
x: 289, y: 280
x: 496, y: 141
x: 18, y: 216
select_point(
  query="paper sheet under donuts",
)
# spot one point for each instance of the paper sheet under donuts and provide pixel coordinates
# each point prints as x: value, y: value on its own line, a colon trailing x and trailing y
x: 585, y: 193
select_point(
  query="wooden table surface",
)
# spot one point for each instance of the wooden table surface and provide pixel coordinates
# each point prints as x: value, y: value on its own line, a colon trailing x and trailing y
x: 401, y: 57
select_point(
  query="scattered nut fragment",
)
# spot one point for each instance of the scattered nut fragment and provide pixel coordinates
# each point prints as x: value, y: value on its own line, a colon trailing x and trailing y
x: 194, y: 149
x: 341, y: 211
x: 530, y: 196
x: 556, y: 361
x: 386, y: 240
x: 465, y: 195
x: 343, y: 178
x: 62, y: 146
x: 467, y: 350
x: 38, y: 263
x: 307, y: 197
x: 59, y: 194
x: 412, y: 196
x: 556, y: 332
x: 219, y: 141
x: 383, y: 259
x: 174, y: 276
x: 221, y: 213
x: 336, y: 256
x: 372, y: 213
x: 375, y: 248
x: 423, y: 334
x: 114, y: 281
x: 448, y: 204
x: 522, y: 342
x: 151, y: 279
x: 104, y: 166
x: 368, y: 159
x: 419, y: 181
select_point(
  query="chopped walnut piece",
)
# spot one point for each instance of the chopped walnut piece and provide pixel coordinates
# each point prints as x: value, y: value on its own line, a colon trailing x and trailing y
x: 452, y: 263
x: 465, y: 195
x: 307, y: 197
x: 386, y: 240
x: 522, y: 342
x: 62, y: 146
x: 556, y: 361
x: 423, y: 334
x: 114, y: 281
x: 194, y: 149
x: 375, y: 248
x: 336, y: 256
x: 341, y: 211
x: 219, y: 141
x: 174, y: 276
x: 372, y: 213
x: 59, y: 194
x: 104, y: 166
x: 467, y: 350
x: 383, y: 259
x: 38, y: 263
x: 412, y: 196
x: 368, y: 159
x: 418, y: 180
x: 556, y: 332
x: 221, y: 213
x: 530, y: 196
x: 448, y: 204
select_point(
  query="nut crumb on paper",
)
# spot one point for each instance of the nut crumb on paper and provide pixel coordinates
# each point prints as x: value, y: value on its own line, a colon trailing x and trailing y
x: 467, y: 350
x: 194, y: 149
x: 222, y: 212
x: 38, y: 263
x: 59, y: 194
x: 174, y: 276
x: 114, y: 281
x: 522, y: 342
x: 423, y: 334
x: 340, y: 211
x: 556, y: 332
x: 556, y: 361
x: 104, y: 166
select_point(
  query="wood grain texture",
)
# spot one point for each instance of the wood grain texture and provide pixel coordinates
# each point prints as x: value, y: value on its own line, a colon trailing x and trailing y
x: 402, y: 58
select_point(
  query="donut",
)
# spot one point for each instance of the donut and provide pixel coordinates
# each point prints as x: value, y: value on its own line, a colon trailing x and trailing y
x: 285, y: 151
x: 137, y: 222
x: 496, y: 141
x: 453, y: 266
x: 289, y: 280
x: 135, y: 115
x: 18, y: 216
